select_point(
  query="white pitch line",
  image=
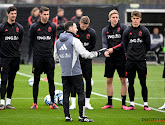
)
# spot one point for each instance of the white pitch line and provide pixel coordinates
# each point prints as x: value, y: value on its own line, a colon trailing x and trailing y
x: 94, y: 93
x: 151, y: 98
x: 127, y: 101
x: 30, y: 76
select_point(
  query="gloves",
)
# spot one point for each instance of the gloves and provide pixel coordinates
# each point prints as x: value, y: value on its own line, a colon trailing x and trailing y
x: 99, y: 53
x: 96, y: 53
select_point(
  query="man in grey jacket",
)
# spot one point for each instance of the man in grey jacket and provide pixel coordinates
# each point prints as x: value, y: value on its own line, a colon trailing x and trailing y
x: 67, y: 49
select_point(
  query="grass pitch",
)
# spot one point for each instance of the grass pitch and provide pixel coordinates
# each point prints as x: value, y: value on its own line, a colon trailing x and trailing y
x: 22, y: 100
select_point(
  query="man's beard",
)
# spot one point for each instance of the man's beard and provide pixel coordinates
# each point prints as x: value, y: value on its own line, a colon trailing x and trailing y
x: 45, y: 20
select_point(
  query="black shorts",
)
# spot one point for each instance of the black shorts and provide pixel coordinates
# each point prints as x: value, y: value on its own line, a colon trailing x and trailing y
x: 43, y: 64
x: 133, y: 66
x: 111, y: 65
x: 10, y: 65
x: 86, y: 66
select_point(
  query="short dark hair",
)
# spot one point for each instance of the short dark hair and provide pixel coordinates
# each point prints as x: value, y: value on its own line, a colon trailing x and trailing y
x: 136, y: 13
x: 68, y: 24
x: 44, y: 9
x: 79, y: 9
x: 11, y: 8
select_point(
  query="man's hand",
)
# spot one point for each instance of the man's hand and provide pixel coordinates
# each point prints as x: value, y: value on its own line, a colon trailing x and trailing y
x: 110, y: 50
x: 106, y: 53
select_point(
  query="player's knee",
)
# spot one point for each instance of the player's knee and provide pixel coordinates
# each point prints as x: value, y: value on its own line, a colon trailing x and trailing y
x: 109, y: 81
x: 123, y: 80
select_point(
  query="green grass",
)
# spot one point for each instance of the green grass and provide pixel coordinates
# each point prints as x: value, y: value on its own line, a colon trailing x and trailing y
x: 116, y: 116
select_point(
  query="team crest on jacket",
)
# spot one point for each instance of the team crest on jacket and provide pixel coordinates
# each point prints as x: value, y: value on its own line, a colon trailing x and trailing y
x: 17, y: 29
x: 118, y: 29
x: 88, y: 36
x: 140, y: 33
x: 49, y: 29
x: 107, y: 32
x: 130, y: 33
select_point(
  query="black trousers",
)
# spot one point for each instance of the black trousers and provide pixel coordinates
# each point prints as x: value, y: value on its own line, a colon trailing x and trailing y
x: 131, y: 68
x: 69, y: 82
x: 9, y: 67
x: 47, y: 65
x: 86, y: 66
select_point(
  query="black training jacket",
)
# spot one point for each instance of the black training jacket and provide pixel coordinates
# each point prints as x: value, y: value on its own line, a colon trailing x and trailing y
x: 112, y: 38
x: 10, y: 39
x: 42, y: 38
x: 137, y: 42
x: 87, y: 37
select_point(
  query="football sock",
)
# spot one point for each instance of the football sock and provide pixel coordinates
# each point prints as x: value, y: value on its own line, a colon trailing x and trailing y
x: 8, y: 101
x: 132, y: 103
x: 87, y: 101
x: 123, y: 99
x: 109, y: 100
x: 2, y: 102
x: 73, y: 101
x: 145, y: 103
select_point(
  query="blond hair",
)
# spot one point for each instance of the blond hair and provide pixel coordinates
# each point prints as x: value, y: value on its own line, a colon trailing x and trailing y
x: 85, y: 20
x: 113, y: 12
x: 34, y: 10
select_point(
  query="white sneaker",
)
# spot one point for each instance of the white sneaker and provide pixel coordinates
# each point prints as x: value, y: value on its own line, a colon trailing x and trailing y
x: 89, y: 107
x: 72, y: 107
x: 163, y: 107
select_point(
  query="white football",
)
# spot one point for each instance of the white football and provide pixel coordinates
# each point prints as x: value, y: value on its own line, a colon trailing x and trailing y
x: 31, y: 81
x: 47, y: 100
x: 58, y: 98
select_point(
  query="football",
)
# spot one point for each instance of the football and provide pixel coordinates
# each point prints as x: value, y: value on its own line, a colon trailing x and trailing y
x: 58, y: 98
x: 47, y: 99
x: 59, y: 95
x: 31, y: 81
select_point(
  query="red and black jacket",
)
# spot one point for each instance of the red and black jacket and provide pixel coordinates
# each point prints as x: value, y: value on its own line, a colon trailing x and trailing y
x: 87, y: 37
x: 137, y: 42
x: 112, y: 38
x: 10, y: 39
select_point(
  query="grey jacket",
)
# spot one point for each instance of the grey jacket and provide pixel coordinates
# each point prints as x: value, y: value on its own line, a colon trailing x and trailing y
x: 67, y: 50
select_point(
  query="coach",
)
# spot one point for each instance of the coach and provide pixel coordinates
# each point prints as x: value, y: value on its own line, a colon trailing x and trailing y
x: 68, y: 48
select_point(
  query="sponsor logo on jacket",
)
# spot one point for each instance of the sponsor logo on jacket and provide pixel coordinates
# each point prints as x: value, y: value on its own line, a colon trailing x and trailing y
x: 85, y: 44
x: 114, y: 36
x: 43, y: 37
x: 138, y: 40
x: 66, y: 55
x: 11, y: 37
